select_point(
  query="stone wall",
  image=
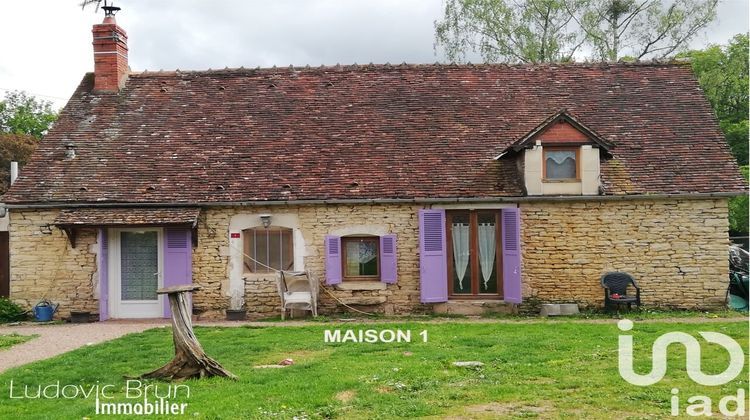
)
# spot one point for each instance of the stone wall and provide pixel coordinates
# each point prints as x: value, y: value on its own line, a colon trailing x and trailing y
x: 676, y: 250
x: 43, y: 265
x: 211, y: 263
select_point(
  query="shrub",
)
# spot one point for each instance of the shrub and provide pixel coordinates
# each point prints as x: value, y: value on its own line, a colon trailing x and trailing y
x: 10, y: 312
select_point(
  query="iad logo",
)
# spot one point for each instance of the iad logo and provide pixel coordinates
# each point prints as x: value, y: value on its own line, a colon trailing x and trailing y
x: 692, y: 365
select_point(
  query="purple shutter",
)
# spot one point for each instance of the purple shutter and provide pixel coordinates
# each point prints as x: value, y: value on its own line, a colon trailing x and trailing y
x: 103, y: 274
x: 388, y: 259
x: 178, y: 260
x: 333, y: 259
x: 511, y: 221
x: 433, y: 270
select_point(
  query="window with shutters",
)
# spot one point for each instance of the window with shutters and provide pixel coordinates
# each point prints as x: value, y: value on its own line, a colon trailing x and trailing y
x: 474, y: 254
x: 360, y: 257
x: 267, y: 248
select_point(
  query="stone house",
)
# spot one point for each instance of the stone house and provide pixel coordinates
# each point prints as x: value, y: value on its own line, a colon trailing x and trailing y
x: 403, y: 188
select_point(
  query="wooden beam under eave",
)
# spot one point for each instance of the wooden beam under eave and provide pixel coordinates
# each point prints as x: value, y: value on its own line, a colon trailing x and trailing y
x: 70, y: 232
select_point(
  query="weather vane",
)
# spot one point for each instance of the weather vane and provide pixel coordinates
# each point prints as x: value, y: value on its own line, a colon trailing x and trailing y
x: 109, y: 8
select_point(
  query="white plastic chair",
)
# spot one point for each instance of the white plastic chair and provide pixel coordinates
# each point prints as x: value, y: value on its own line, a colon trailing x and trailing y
x: 298, y: 290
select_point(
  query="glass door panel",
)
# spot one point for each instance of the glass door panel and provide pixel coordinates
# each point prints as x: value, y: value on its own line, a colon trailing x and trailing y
x: 461, y: 249
x: 139, y: 262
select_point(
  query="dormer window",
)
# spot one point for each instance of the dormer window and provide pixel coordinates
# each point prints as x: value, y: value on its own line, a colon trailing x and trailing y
x: 561, y: 164
x: 560, y: 156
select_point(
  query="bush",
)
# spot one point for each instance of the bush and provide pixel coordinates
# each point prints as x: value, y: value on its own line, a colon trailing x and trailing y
x: 10, y: 312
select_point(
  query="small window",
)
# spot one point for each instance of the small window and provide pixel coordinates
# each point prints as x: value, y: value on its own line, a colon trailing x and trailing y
x: 268, y: 247
x: 361, y: 258
x: 560, y: 164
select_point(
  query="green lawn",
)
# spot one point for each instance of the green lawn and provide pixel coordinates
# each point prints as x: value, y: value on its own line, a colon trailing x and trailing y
x: 13, y: 339
x: 558, y: 370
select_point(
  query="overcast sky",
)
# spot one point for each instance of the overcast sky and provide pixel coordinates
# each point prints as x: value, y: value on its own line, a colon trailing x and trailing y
x: 45, y: 45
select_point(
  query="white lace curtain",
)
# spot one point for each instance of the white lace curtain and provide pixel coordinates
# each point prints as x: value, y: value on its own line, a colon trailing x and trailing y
x: 460, y: 232
x: 486, y: 250
x: 561, y: 164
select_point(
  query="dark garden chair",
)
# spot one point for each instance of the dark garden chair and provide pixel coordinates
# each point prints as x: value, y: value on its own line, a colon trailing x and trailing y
x: 615, y: 286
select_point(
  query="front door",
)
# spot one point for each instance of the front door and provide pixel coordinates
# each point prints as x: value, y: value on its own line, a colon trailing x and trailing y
x: 136, y: 267
x: 474, y: 254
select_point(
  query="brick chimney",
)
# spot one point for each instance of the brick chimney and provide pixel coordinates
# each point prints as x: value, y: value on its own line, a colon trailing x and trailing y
x: 110, y: 56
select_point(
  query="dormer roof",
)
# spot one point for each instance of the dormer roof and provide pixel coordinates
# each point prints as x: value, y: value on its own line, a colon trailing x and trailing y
x: 561, y: 116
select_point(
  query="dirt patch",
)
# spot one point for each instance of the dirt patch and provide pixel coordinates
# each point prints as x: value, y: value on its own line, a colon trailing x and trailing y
x: 384, y: 390
x: 496, y: 410
x: 298, y: 356
x: 346, y: 396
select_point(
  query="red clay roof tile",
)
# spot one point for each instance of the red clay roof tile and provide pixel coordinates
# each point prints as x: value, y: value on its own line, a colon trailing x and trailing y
x: 116, y: 216
x: 404, y: 131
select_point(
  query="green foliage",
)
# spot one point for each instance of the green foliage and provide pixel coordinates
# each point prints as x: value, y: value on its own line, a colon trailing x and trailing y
x: 23, y: 121
x: 10, y: 312
x: 542, y: 369
x: 532, y: 31
x: 13, y: 339
x: 535, y: 31
x: 738, y: 209
x: 14, y: 148
x: 24, y: 114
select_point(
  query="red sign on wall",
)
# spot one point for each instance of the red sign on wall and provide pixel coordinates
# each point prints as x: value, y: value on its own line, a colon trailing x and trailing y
x: 235, y: 235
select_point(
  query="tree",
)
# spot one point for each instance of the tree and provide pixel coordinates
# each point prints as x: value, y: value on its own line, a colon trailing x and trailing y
x: 643, y: 28
x: 722, y: 72
x: 14, y: 148
x: 532, y: 31
x: 23, y: 121
x: 24, y: 114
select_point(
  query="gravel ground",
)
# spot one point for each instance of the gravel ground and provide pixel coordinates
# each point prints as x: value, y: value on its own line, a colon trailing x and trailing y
x: 54, y: 339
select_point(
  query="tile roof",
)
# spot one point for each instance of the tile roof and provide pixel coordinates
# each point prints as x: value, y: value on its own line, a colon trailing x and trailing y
x: 114, y: 216
x: 562, y: 116
x: 368, y: 132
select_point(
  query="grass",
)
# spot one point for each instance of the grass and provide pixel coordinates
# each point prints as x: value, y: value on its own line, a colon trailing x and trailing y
x: 586, y: 314
x: 645, y: 313
x: 10, y: 340
x: 544, y: 370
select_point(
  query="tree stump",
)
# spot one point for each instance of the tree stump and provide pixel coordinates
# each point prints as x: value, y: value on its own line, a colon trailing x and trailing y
x: 190, y: 361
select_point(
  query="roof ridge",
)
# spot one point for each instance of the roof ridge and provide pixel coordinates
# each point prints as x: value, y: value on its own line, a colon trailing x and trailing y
x: 404, y: 65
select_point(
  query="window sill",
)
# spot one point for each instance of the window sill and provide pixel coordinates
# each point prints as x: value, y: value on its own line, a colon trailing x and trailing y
x: 361, y: 285
x: 259, y: 276
x: 568, y: 180
x: 475, y: 298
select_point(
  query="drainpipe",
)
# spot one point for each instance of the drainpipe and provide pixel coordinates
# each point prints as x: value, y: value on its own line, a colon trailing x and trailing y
x: 13, y: 172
